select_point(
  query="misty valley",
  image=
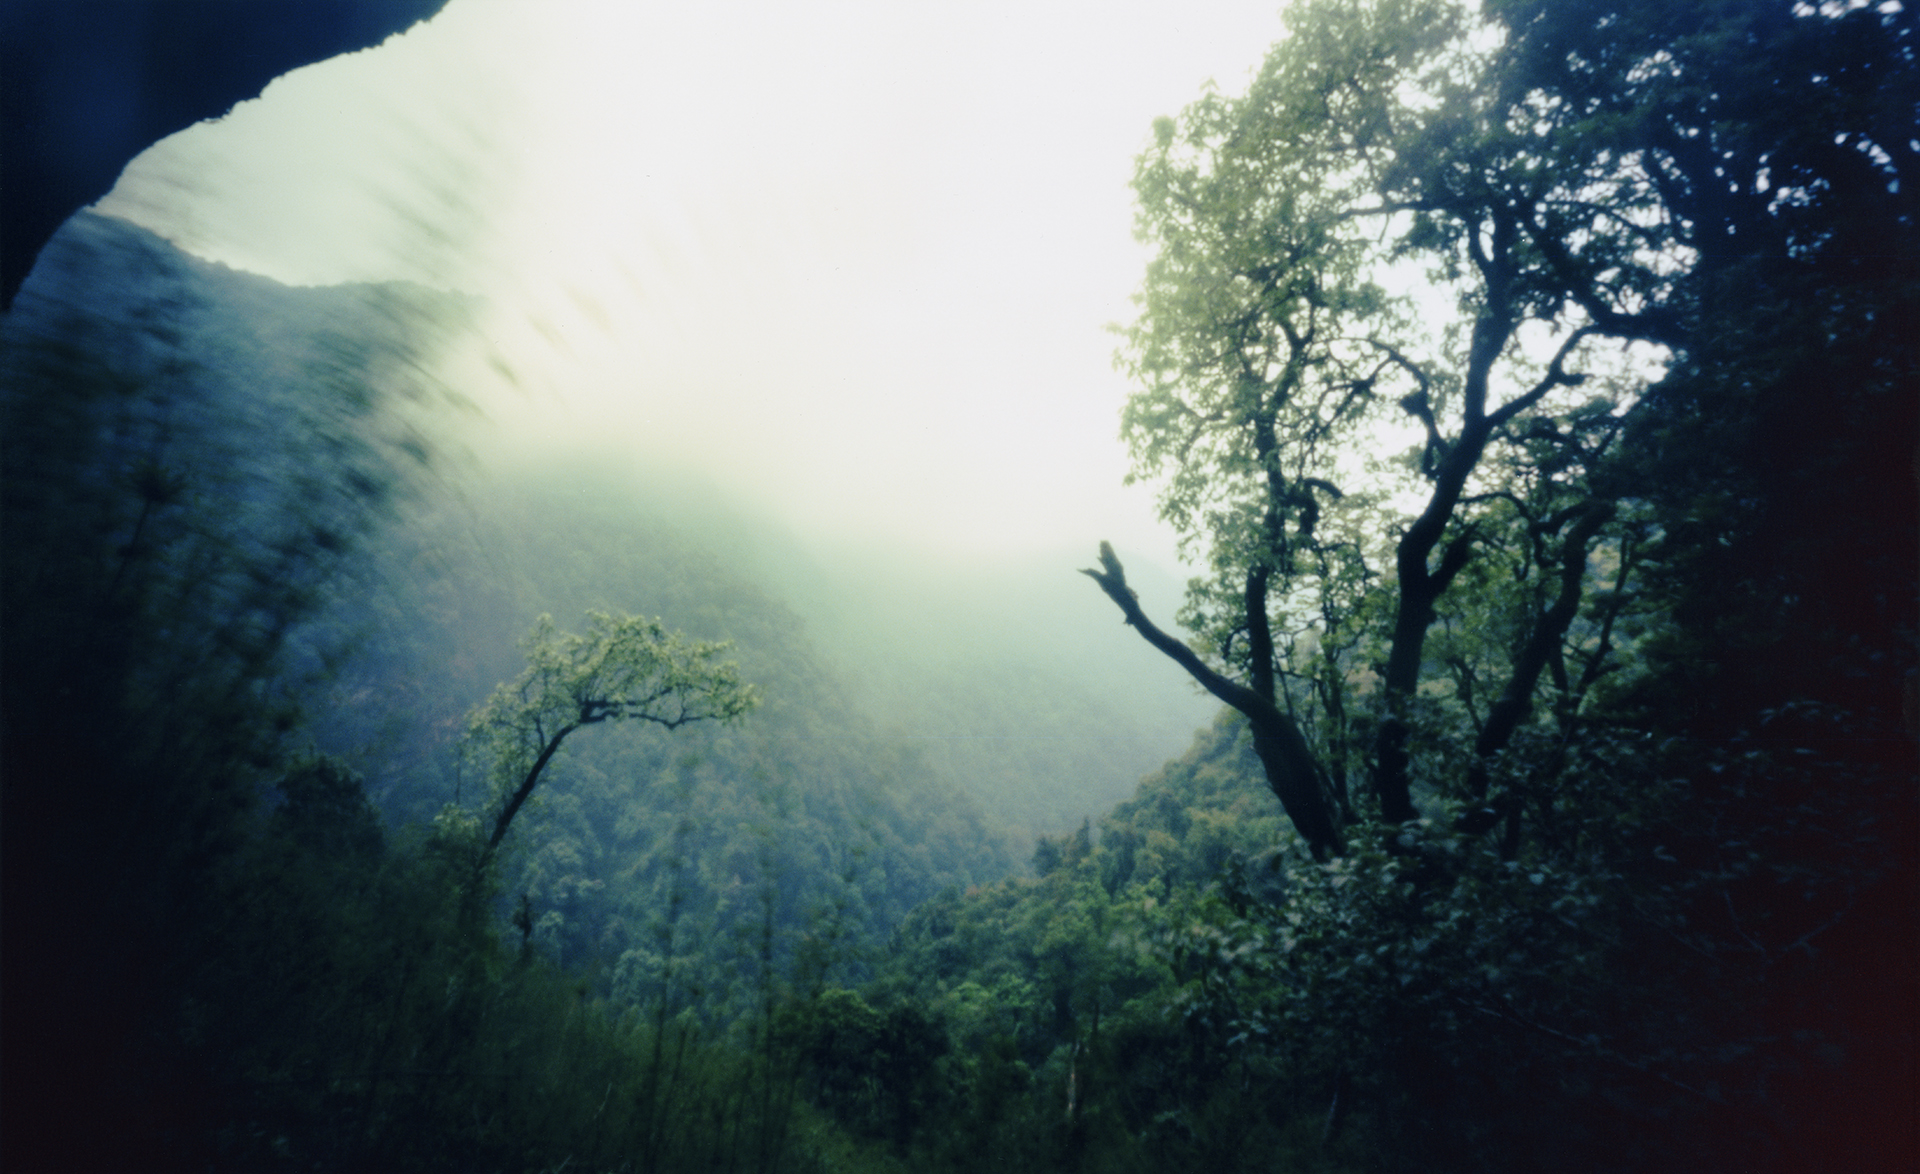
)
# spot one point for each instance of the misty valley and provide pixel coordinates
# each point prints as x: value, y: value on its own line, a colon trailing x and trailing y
x: 1517, y: 774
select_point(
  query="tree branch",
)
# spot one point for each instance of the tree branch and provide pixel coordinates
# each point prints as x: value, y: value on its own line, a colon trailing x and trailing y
x: 1293, y: 774
x: 1556, y: 376
x: 1516, y: 700
x: 521, y: 793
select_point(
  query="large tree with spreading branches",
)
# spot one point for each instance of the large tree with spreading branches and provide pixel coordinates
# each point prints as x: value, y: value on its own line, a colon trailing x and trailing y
x: 1534, y: 384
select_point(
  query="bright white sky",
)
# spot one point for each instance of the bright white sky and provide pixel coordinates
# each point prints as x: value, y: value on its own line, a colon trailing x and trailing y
x: 851, y: 258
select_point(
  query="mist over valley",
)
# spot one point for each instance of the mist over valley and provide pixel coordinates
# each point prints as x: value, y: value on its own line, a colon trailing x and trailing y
x: 786, y: 588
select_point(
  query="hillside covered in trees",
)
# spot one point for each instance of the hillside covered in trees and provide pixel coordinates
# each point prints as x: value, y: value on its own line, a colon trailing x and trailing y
x: 1532, y: 386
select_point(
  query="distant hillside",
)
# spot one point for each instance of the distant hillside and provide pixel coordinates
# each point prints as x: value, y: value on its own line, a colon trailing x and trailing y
x: 198, y: 451
x: 1007, y: 674
x: 921, y: 725
x: 805, y: 813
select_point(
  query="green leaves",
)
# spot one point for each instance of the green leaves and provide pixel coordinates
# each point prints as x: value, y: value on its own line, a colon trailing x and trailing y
x: 1633, y: 397
x: 625, y: 668
x: 1283, y: 341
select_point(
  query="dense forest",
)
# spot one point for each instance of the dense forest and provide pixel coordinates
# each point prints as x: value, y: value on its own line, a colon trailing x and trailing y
x: 1532, y: 385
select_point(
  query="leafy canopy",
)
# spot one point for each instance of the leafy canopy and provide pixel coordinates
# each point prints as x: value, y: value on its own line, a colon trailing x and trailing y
x: 1525, y: 372
x: 625, y: 668
x: 1381, y: 340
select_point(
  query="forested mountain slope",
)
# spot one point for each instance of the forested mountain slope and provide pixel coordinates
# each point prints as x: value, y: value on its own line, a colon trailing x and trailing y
x: 191, y: 456
x: 229, y: 543
x: 1564, y: 821
x: 806, y: 812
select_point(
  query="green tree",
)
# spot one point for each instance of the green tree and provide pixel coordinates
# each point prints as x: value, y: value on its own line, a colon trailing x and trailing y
x: 1621, y: 596
x: 1271, y: 355
x: 626, y: 668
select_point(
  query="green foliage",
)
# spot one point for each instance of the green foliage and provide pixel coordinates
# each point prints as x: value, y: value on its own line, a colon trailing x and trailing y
x: 1596, y: 851
x: 189, y: 462
x: 373, y: 1022
x: 624, y: 669
x: 1061, y: 1002
x: 651, y: 860
x: 1270, y: 358
x: 1497, y: 682
x: 877, y: 1073
x: 324, y: 809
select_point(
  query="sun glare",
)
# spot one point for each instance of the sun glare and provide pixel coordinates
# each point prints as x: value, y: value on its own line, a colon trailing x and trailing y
x: 852, y: 258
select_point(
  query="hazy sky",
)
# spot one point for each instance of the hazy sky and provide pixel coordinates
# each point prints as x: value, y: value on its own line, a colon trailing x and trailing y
x: 855, y: 259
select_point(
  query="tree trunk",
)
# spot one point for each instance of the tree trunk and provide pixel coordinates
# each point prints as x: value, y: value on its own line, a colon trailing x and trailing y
x: 1516, y: 700
x: 521, y: 793
x: 1292, y: 771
